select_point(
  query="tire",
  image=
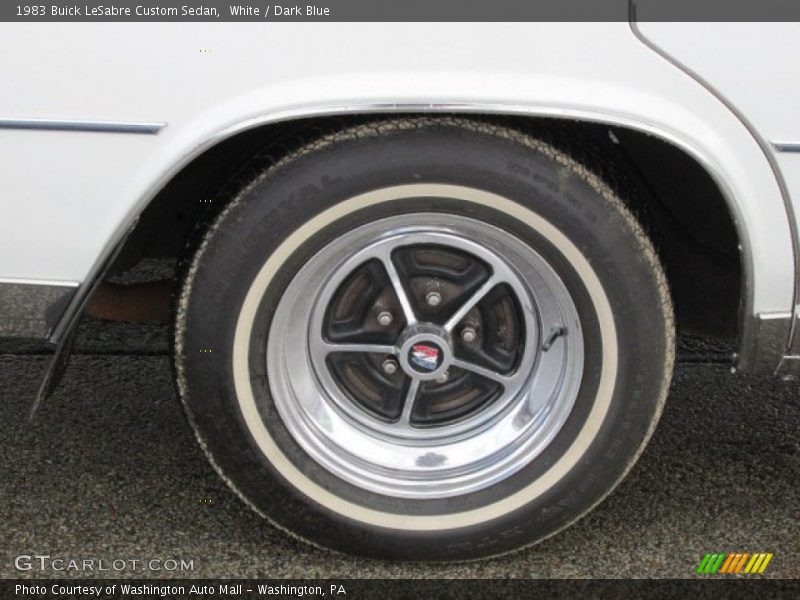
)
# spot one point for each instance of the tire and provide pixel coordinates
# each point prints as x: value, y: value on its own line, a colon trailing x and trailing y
x: 486, y: 433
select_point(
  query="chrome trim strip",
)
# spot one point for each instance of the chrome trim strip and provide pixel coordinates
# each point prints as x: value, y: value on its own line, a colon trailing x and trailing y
x: 83, y: 126
x: 49, y: 282
x: 787, y: 146
x: 748, y: 337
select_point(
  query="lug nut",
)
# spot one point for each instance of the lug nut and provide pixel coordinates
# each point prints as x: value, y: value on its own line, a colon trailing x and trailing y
x: 433, y: 298
x: 468, y: 335
x: 385, y: 318
x: 443, y: 377
x: 389, y: 366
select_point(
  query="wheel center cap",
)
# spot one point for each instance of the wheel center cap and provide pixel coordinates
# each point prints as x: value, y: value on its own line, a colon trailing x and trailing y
x: 425, y: 357
x: 425, y: 352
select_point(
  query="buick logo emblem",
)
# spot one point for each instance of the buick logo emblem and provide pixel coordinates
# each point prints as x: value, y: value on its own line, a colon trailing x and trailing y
x: 426, y: 357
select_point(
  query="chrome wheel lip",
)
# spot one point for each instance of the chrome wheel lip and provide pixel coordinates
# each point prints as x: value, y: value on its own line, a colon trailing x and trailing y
x: 437, y: 462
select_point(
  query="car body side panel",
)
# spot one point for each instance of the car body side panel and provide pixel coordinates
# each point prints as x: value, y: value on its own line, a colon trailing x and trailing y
x: 753, y: 65
x: 68, y: 197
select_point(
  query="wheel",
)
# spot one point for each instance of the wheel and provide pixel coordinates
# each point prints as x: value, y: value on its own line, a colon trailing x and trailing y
x: 424, y: 339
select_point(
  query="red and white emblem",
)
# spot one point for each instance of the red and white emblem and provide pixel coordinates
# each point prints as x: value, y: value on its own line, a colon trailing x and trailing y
x: 425, y: 356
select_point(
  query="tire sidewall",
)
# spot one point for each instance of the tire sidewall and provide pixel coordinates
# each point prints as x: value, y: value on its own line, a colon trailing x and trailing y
x: 253, y: 228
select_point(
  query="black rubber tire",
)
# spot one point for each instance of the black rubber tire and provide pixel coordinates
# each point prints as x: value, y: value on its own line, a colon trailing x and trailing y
x: 440, y: 150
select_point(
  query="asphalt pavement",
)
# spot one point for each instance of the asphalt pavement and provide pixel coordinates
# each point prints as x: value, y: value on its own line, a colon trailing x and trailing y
x: 110, y: 470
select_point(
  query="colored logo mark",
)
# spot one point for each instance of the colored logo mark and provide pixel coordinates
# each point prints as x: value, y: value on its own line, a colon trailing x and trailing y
x: 426, y: 357
x: 734, y: 562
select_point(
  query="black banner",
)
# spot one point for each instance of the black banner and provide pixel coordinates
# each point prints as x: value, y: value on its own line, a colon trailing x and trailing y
x: 396, y: 10
x: 402, y: 589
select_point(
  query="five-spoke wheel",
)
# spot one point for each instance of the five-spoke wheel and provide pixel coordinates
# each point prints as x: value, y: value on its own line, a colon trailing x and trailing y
x: 407, y: 356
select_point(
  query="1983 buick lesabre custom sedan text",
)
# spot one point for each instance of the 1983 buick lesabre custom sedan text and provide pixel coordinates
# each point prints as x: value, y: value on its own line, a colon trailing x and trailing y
x: 117, y: 11
x: 185, y: 10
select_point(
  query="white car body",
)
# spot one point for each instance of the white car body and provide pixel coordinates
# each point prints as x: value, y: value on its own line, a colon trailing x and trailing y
x: 70, y: 193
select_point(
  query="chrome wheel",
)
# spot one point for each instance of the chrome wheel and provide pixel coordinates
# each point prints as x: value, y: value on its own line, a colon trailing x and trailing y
x: 425, y: 356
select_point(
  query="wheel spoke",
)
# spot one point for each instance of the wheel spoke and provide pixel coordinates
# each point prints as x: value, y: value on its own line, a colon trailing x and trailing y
x: 471, y: 302
x: 329, y: 348
x: 483, y: 371
x: 408, y: 405
x: 399, y: 289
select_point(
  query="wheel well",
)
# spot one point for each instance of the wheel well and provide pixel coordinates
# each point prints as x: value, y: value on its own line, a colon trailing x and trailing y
x: 681, y: 206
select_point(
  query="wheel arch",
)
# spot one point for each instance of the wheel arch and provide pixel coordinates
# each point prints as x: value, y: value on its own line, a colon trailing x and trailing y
x: 759, y: 347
